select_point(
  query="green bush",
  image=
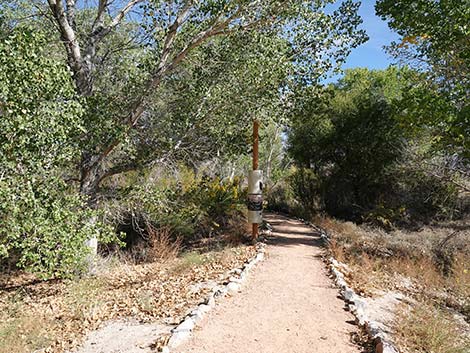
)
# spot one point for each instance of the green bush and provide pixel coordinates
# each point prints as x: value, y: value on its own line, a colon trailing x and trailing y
x: 357, y: 160
x: 280, y: 197
x: 188, y: 205
x: 43, y: 222
x: 44, y: 228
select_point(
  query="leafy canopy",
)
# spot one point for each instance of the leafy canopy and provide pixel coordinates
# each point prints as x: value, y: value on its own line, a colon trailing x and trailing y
x: 436, y: 41
x: 42, y: 224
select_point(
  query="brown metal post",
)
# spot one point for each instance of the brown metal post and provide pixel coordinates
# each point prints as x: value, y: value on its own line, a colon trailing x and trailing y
x: 255, y: 165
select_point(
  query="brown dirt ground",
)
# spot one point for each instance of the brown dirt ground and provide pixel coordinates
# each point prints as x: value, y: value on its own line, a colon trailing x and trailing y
x: 288, y: 304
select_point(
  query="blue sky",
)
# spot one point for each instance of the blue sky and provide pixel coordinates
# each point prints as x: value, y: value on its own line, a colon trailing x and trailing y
x: 371, y: 54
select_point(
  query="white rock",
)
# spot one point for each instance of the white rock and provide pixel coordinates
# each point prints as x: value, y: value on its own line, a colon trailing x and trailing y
x: 349, y: 294
x: 248, y: 267
x: 233, y: 287
x: 203, y: 308
x: 197, y: 316
x: 360, y: 307
x: 235, y: 279
x: 359, y: 310
x: 219, y: 291
x: 178, y: 337
x: 388, y: 348
x: 165, y: 349
x: 210, y: 301
x: 187, y: 325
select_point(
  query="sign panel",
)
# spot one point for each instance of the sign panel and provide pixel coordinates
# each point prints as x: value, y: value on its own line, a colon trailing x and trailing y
x: 255, y: 202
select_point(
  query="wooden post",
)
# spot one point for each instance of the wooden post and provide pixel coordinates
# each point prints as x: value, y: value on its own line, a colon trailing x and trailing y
x: 255, y: 232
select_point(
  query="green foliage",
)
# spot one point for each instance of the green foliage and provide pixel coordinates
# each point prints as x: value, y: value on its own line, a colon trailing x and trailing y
x: 351, y: 142
x: 43, y: 227
x: 435, y: 39
x: 187, y: 204
x: 35, y: 92
x: 207, y: 108
x: 357, y: 155
x: 129, y: 96
x: 425, y: 107
x: 434, y: 27
x: 305, y: 186
x: 194, y: 91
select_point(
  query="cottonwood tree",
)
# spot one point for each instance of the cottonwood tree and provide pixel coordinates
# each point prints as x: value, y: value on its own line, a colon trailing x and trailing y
x: 167, y: 34
x: 435, y: 40
x: 43, y: 225
x: 206, y: 108
x: 174, y: 29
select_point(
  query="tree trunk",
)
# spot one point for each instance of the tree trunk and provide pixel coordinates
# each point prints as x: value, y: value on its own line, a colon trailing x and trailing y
x: 91, y: 175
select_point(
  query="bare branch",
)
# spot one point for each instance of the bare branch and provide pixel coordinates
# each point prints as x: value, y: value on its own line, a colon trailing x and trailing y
x: 99, y: 20
x: 171, y: 35
x: 70, y: 42
x: 71, y: 13
x: 124, y: 11
x: 99, y: 31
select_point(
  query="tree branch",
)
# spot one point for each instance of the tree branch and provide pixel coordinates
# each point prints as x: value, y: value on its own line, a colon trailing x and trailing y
x: 99, y: 31
x: 118, y: 169
x: 164, y: 66
x: 71, y: 44
x: 71, y: 13
x: 99, y: 20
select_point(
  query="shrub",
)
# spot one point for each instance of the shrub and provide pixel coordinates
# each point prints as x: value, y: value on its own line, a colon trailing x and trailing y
x: 188, y: 206
x: 43, y: 222
x: 44, y: 228
x: 358, y: 162
x: 280, y: 197
x: 306, y: 188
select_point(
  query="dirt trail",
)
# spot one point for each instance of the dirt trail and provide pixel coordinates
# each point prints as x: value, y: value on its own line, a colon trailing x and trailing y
x: 288, y: 303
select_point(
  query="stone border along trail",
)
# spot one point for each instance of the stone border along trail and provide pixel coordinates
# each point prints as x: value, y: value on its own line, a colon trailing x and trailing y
x: 289, y: 304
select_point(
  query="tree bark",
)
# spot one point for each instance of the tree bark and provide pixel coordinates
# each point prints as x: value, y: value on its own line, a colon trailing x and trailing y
x: 91, y: 174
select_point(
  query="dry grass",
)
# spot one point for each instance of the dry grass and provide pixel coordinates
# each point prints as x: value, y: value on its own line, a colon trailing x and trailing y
x: 20, y: 331
x: 432, y: 266
x: 57, y: 315
x: 156, y: 244
x: 237, y: 230
x: 189, y: 260
x: 28, y: 325
x: 410, y: 254
x: 192, y: 259
x: 425, y: 328
x: 83, y: 298
x: 162, y: 246
x: 25, y: 333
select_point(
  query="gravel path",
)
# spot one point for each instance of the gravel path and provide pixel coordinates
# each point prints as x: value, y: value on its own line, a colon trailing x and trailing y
x: 288, y: 304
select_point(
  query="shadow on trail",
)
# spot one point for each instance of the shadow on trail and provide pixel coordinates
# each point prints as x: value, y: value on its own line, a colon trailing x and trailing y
x: 284, y: 235
x: 278, y: 239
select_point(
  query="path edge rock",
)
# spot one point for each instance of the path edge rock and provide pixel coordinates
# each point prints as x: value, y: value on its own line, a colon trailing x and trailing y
x: 356, y: 303
x: 238, y: 276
